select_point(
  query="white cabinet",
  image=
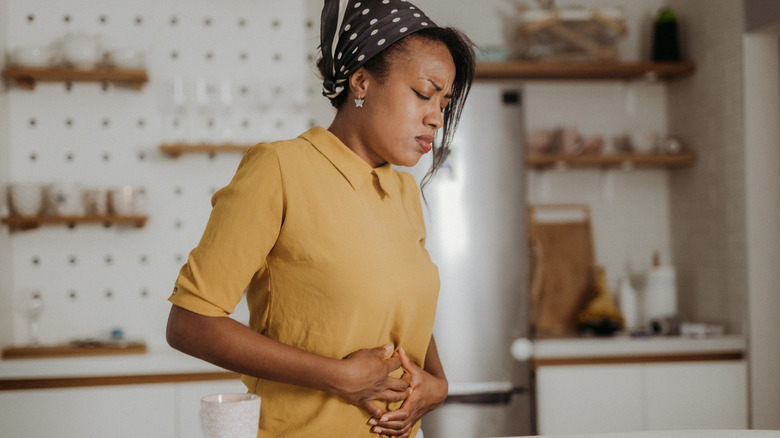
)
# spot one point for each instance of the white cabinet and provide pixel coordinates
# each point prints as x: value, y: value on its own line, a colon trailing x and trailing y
x: 168, y: 410
x: 589, y: 399
x: 696, y: 395
x: 115, y: 411
x: 641, y: 396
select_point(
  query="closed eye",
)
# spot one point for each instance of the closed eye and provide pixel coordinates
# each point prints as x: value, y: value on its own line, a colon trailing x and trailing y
x: 420, y: 95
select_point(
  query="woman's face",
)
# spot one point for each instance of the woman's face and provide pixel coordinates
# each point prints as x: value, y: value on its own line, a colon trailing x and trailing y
x: 402, y: 112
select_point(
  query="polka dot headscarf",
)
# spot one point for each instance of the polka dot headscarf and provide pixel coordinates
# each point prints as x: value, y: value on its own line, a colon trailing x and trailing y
x: 354, y: 31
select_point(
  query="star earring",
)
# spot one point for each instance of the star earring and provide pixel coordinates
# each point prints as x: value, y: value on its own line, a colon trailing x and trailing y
x: 359, y: 102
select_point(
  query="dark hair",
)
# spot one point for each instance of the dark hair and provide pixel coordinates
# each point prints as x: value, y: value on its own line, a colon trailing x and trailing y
x: 462, y: 51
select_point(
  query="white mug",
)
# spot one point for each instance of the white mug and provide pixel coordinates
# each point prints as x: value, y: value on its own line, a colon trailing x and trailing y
x: 26, y: 199
x: 122, y: 200
x: 230, y: 415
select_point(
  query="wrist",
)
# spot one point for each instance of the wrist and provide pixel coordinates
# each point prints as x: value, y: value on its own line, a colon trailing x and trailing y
x: 443, y: 387
x: 337, y: 377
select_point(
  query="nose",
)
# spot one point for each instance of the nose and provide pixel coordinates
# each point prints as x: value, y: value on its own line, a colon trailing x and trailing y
x: 434, y: 118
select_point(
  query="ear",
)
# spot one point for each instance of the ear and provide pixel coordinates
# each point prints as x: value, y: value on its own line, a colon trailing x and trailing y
x: 359, y: 82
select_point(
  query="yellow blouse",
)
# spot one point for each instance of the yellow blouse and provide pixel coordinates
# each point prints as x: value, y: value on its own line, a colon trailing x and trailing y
x: 331, y: 254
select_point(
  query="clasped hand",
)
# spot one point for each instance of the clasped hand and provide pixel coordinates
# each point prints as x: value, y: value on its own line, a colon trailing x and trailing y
x: 420, y: 391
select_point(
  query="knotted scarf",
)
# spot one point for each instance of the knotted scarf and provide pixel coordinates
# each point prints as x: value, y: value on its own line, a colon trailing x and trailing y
x: 354, y: 31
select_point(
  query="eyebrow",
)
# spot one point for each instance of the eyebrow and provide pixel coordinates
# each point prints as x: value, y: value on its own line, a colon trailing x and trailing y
x: 438, y: 87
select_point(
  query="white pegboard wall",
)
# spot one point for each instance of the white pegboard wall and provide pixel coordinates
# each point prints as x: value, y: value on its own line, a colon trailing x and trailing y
x: 92, y: 278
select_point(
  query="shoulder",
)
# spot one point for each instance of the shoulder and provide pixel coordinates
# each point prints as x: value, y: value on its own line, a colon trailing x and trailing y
x: 278, y: 154
x: 277, y: 148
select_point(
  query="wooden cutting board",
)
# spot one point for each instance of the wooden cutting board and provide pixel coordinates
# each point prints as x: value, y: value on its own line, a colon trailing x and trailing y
x: 562, y: 259
x: 73, y: 350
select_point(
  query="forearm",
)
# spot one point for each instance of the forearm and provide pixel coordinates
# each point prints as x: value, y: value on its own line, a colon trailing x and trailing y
x: 231, y: 345
x: 434, y: 367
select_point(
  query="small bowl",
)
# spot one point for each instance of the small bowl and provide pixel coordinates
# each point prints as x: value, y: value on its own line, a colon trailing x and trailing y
x: 26, y: 199
x: 81, y: 51
x: 128, y: 58
x: 31, y: 56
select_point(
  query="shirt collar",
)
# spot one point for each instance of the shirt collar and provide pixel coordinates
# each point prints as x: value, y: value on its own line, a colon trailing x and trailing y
x: 354, y: 169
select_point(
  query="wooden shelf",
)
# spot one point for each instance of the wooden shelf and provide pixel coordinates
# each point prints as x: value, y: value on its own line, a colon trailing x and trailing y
x: 27, y: 77
x: 598, y: 160
x: 75, y: 349
x: 31, y: 222
x: 175, y: 150
x: 602, y: 70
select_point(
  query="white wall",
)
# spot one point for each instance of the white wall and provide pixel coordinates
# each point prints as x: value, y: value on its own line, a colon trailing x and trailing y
x: 5, y: 166
x: 93, y: 279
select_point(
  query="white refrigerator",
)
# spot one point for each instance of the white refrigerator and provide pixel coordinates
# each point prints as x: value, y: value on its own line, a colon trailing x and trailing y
x: 476, y: 224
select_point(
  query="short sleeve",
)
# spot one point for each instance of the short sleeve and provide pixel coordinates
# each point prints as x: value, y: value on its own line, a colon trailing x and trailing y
x: 243, y: 227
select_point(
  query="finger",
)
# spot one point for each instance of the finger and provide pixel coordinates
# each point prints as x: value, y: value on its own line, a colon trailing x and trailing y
x: 392, y: 432
x: 395, y: 384
x: 392, y: 425
x: 406, y: 363
x: 393, y: 362
x: 393, y: 396
x: 400, y: 415
x: 372, y: 409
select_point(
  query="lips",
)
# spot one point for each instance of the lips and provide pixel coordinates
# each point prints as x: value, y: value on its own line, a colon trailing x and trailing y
x: 425, y: 142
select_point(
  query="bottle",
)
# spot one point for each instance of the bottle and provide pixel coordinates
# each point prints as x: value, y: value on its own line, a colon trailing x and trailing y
x: 660, y: 292
x: 629, y: 305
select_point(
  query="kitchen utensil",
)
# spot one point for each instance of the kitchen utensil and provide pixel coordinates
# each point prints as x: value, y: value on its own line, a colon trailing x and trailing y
x: 26, y: 199
x: 230, y: 415
x: 563, y: 261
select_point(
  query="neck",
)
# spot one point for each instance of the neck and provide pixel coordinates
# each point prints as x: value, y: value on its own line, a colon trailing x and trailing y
x: 345, y: 127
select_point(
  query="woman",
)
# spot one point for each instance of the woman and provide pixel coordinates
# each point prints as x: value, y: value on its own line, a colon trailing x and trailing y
x: 328, y: 239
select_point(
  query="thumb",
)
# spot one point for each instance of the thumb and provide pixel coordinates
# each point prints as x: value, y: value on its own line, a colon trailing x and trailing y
x: 406, y: 363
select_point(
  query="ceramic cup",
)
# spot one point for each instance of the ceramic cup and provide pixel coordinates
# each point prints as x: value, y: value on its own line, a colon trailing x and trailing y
x: 31, y: 56
x: 230, y: 415
x: 122, y: 200
x: 66, y: 199
x: 80, y: 51
x: 126, y: 57
x: 96, y: 201
x: 26, y: 199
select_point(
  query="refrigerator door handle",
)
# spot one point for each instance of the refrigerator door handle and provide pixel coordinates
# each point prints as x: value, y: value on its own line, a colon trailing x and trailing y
x: 482, y: 392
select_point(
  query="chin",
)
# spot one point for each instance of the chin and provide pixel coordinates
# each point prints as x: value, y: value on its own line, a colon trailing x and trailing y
x: 407, y: 161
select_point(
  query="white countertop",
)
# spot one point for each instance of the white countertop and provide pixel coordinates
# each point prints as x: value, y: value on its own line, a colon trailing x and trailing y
x: 677, y: 434
x: 624, y: 345
x: 154, y: 361
x: 168, y: 361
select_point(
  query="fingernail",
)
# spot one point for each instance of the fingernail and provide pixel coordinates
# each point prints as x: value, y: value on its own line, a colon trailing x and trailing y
x: 372, y: 421
x: 377, y: 430
x: 384, y: 418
